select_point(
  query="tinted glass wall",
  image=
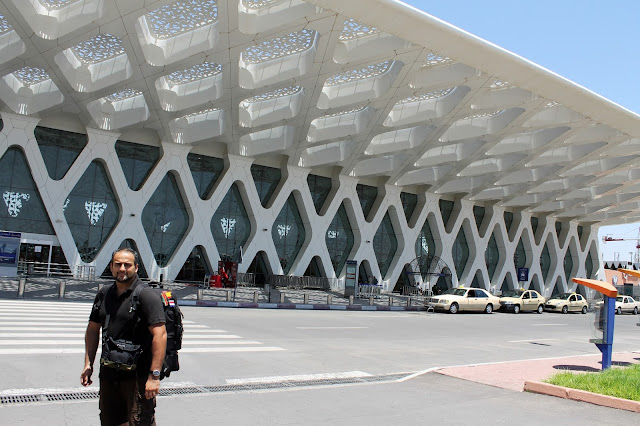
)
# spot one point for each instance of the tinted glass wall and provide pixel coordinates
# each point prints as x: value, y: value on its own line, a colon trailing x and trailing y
x: 339, y: 239
x: 91, y: 211
x: 230, y: 225
x: 165, y: 220
x: 288, y: 234
x: 23, y: 210
x: 59, y: 149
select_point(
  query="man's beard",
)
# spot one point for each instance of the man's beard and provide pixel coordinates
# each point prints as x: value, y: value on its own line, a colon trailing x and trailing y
x: 124, y: 278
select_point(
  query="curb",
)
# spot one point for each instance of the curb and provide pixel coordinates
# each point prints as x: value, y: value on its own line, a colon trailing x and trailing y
x: 324, y: 307
x: 580, y: 395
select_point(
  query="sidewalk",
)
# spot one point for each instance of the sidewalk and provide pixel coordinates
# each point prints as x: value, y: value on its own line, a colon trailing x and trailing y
x: 528, y: 375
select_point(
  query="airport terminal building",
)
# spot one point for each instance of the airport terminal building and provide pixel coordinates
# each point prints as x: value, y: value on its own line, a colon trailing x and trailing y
x: 296, y: 135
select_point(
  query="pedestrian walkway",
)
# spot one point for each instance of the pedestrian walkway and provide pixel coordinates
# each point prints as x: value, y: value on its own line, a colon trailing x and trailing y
x: 30, y: 327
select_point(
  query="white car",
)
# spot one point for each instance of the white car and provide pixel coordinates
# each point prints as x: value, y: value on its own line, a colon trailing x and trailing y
x: 465, y: 299
x: 627, y: 304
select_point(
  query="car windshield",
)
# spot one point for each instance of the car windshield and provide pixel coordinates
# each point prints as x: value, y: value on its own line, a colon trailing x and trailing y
x: 512, y: 293
x: 456, y: 291
x: 563, y: 296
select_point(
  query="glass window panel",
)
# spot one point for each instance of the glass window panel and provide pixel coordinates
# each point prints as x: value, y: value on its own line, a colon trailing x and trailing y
x: 266, y: 180
x: 588, y: 265
x: 520, y: 256
x: 491, y: 256
x: 367, y: 196
x: 460, y: 252
x: 91, y: 211
x: 568, y: 265
x: 339, y: 239
x: 508, y: 220
x: 137, y: 161
x: 534, y: 224
x: 59, y: 149
x: 409, y: 203
x: 165, y: 220
x: 319, y: 186
x: 478, y: 214
x: 446, y: 208
x: 288, y: 234
x: 545, y: 262
x: 425, y: 244
x: 22, y: 208
x: 195, y: 267
x: 230, y: 225
x: 385, y: 244
x: 205, y: 171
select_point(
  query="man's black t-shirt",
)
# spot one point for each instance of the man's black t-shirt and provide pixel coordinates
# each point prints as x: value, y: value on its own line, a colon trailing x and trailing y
x: 122, y: 323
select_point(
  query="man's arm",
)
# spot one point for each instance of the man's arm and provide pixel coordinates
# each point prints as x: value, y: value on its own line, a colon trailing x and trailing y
x: 91, y: 338
x: 158, y: 349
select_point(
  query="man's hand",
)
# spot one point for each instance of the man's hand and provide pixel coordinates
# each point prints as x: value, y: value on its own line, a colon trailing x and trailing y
x: 152, y: 387
x: 85, y: 377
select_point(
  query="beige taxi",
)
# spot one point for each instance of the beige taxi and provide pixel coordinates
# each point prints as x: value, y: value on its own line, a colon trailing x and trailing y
x: 465, y: 299
x: 522, y: 300
x: 567, y: 302
x: 627, y: 304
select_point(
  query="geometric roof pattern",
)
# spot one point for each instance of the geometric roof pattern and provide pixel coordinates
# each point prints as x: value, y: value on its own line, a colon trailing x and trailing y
x: 373, y: 89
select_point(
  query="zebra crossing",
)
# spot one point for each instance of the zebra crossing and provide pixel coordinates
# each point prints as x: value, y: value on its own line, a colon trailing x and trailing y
x: 48, y: 327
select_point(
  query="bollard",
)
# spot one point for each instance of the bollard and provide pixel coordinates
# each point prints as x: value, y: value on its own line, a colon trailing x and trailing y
x: 255, y: 296
x: 61, y: 288
x: 351, y: 298
x: 409, y: 301
x: 21, y: 285
x: 228, y: 295
x: 370, y: 300
x: 329, y: 299
x: 200, y: 294
x: 306, y: 299
x: 390, y: 300
x: 281, y: 297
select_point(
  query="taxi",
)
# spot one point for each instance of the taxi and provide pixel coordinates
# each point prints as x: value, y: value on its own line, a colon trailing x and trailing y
x: 522, y: 300
x: 465, y: 299
x: 627, y: 304
x: 567, y: 302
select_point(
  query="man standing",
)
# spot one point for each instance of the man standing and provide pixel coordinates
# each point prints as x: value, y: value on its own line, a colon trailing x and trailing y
x: 127, y: 391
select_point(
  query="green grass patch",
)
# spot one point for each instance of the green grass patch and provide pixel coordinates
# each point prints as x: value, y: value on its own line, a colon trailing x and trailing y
x: 619, y: 382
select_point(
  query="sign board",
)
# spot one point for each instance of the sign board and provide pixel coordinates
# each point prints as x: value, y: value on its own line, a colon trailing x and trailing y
x: 523, y: 274
x: 9, y: 253
x: 351, y: 278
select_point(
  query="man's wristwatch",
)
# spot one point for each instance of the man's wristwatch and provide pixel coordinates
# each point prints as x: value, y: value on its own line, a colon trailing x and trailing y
x: 155, y: 374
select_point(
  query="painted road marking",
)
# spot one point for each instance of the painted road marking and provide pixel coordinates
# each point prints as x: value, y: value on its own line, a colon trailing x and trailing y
x: 329, y: 328
x: 299, y: 377
x: 531, y: 340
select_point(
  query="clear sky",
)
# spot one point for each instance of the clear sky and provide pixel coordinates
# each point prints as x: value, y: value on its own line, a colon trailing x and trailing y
x: 593, y: 43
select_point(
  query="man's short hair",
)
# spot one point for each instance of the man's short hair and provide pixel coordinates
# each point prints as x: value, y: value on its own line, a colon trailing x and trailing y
x: 127, y: 250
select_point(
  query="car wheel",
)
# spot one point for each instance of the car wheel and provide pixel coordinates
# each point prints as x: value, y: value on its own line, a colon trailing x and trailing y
x: 540, y: 309
x: 635, y: 311
x: 488, y: 309
x: 565, y: 309
x: 584, y: 309
x: 453, y: 309
x: 516, y: 309
x: 618, y: 311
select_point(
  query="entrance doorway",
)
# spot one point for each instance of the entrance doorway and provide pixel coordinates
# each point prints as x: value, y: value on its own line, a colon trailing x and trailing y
x: 42, y: 257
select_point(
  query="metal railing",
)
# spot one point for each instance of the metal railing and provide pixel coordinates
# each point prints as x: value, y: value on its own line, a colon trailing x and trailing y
x: 44, y: 268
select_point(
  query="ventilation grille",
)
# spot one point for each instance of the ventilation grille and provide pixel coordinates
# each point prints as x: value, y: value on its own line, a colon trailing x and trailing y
x: 169, y: 391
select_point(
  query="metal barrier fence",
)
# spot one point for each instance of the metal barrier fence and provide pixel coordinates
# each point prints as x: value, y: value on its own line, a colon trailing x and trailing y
x: 293, y: 282
x: 44, y: 268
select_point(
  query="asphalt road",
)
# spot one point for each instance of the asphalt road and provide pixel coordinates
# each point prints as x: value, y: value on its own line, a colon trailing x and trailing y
x: 225, y: 346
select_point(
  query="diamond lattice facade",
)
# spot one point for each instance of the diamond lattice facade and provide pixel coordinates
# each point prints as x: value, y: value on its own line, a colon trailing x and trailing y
x: 302, y: 133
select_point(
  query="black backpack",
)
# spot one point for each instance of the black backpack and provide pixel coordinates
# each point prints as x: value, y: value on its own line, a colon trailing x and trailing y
x: 173, y: 324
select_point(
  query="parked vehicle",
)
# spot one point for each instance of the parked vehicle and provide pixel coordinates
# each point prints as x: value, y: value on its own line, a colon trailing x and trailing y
x: 465, y: 299
x: 522, y: 300
x: 625, y: 304
x: 567, y: 302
